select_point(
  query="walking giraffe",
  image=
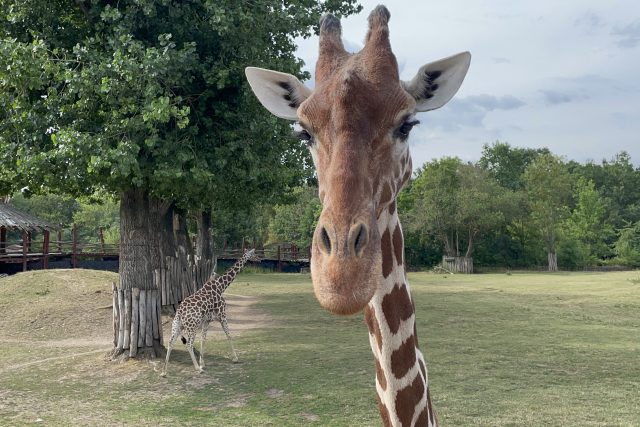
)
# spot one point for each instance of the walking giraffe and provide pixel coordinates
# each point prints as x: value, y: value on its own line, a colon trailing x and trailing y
x: 197, y: 310
x: 356, y: 123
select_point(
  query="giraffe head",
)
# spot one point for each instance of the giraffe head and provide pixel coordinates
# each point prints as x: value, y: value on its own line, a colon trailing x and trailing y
x: 251, y: 255
x: 356, y: 123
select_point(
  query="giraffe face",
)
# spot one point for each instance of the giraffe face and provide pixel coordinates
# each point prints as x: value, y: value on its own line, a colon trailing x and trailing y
x: 358, y: 120
x: 356, y: 123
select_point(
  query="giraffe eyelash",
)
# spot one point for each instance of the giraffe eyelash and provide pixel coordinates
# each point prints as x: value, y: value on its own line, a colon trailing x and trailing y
x: 402, y: 133
x: 302, y: 134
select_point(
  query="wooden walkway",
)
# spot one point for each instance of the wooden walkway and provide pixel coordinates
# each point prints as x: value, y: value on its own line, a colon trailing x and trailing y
x: 29, y: 252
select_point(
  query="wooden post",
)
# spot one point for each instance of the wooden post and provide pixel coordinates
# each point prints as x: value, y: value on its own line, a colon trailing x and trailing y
x: 60, y: 241
x: 122, y: 328
x: 3, y: 239
x: 29, y: 239
x: 142, y: 322
x: 101, y: 236
x: 74, y: 247
x: 45, y: 250
x: 150, y: 315
x: 127, y: 319
x: 155, y: 300
x: 24, y: 250
x: 116, y: 314
x: 279, y: 260
x: 163, y: 281
x: 135, y: 305
x: 159, y: 316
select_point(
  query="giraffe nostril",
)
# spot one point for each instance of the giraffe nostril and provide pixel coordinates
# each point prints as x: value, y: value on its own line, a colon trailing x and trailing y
x: 326, y: 241
x: 360, y: 238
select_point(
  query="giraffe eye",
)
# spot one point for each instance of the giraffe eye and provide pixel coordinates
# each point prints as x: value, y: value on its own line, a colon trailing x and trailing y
x: 302, y: 134
x: 402, y: 133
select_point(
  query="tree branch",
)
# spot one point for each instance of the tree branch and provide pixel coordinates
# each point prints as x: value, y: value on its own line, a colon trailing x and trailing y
x: 83, y: 7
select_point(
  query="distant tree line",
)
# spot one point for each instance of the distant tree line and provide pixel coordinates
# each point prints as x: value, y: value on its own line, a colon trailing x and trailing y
x: 524, y: 208
x: 513, y: 208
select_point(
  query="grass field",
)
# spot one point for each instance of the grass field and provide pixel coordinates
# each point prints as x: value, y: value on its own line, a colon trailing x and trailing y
x: 502, y: 350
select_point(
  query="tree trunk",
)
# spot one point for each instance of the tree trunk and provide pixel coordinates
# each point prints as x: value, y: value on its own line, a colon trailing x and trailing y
x: 157, y: 211
x: 168, y: 244
x: 553, y: 260
x: 181, y: 232
x: 470, y: 242
x: 448, y: 245
x: 136, y: 294
x: 204, y: 242
x: 551, y: 250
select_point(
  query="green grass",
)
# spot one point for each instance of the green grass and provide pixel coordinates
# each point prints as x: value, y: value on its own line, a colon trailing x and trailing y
x: 502, y: 350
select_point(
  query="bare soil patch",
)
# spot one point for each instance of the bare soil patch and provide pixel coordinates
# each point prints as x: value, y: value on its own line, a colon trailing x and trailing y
x: 70, y: 311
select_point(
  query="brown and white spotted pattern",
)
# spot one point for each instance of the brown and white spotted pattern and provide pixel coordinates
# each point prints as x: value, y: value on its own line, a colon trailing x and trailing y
x: 356, y: 123
x: 401, y: 376
x: 197, y: 310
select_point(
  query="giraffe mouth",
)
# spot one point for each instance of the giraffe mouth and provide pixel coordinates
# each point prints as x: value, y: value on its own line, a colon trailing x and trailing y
x: 345, y: 286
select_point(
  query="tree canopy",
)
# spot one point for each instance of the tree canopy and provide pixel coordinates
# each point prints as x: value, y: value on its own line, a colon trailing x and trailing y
x: 523, y: 207
x: 456, y: 203
x: 147, y: 101
x: 148, y: 94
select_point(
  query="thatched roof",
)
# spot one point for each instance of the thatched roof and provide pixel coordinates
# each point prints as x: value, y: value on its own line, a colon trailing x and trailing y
x: 13, y: 219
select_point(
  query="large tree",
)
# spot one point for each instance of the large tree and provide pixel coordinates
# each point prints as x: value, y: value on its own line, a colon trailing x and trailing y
x: 295, y: 222
x: 588, y: 223
x: 456, y: 203
x: 617, y: 180
x: 548, y: 186
x: 434, y: 202
x: 147, y: 101
x: 507, y: 164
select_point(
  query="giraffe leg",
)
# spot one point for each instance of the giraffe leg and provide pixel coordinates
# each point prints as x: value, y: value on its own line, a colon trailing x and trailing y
x: 225, y: 328
x: 203, y: 336
x: 175, y: 331
x: 190, y: 340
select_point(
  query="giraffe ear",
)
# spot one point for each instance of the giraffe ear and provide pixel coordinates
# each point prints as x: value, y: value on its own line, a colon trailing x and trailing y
x: 437, y: 82
x: 280, y: 93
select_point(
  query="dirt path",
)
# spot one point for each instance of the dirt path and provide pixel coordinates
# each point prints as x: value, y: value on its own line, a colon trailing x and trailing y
x: 49, y: 359
x: 241, y: 313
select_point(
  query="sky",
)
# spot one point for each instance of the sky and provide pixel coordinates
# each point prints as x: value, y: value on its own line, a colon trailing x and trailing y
x: 558, y: 74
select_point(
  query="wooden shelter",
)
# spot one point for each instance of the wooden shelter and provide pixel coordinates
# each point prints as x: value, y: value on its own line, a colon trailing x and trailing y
x: 11, y: 219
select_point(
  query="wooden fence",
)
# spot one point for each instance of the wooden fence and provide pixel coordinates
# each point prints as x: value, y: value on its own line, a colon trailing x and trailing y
x: 276, y: 254
x: 179, y: 278
x: 458, y: 264
x: 28, y: 249
x: 130, y: 329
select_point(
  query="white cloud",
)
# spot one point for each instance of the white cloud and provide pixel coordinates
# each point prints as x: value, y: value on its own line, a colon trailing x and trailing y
x: 557, y: 74
x: 629, y: 35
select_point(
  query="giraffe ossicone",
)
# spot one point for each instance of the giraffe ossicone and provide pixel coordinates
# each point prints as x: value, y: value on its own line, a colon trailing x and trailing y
x: 356, y: 122
x: 205, y: 305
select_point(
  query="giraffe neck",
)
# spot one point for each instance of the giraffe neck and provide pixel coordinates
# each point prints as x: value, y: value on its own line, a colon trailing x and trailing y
x: 223, y: 282
x: 401, y: 375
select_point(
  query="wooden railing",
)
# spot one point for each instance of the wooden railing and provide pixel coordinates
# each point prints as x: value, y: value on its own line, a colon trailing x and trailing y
x: 28, y: 249
x: 52, y: 244
x: 275, y: 252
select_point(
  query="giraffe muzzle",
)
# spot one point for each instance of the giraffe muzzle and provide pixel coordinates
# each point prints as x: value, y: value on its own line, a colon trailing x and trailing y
x: 355, y: 243
x: 344, y: 263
